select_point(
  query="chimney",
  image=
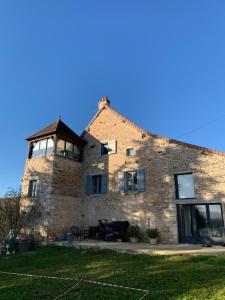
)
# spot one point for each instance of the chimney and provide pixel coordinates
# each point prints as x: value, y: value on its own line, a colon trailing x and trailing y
x: 103, y: 102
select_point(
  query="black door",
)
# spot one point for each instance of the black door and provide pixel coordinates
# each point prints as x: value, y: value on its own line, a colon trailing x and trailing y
x: 200, y: 222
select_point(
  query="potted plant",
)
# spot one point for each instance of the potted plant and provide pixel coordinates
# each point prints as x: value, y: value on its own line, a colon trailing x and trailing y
x: 134, y: 233
x: 152, y: 234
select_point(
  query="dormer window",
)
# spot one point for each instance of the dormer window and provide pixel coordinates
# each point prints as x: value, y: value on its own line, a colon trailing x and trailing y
x: 69, y: 150
x: 57, y: 138
x: 42, y: 148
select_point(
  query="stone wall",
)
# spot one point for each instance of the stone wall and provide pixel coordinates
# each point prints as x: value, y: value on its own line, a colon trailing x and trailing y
x: 40, y: 169
x: 161, y: 159
x: 61, y: 181
x: 65, y: 209
x: 58, y: 190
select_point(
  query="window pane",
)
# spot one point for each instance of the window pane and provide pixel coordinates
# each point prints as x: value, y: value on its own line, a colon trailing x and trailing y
x: 135, y: 181
x: 69, y: 146
x: 216, y: 220
x: 201, y: 220
x: 76, y: 149
x: 104, y: 149
x: 96, y: 184
x: 32, y: 192
x: 131, y: 152
x: 185, y: 220
x: 43, y: 146
x: 185, y: 186
x: 35, y: 150
x: 131, y: 181
x: 61, y: 147
x: 50, y: 147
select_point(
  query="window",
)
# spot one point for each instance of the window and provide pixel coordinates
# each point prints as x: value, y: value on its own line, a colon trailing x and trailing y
x: 35, y: 151
x: 69, y: 146
x: 42, y: 148
x: 68, y: 150
x: 108, y: 148
x: 50, y: 147
x: 60, y: 147
x: 97, y: 184
x: 32, y: 191
x: 132, y: 181
x: 184, y: 186
x: 131, y: 152
x: 105, y: 149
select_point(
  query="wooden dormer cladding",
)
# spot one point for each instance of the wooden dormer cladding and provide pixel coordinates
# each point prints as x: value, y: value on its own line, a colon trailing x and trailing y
x: 48, y: 139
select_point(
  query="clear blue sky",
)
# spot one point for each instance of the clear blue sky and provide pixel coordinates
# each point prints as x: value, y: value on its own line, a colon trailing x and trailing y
x: 161, y: 63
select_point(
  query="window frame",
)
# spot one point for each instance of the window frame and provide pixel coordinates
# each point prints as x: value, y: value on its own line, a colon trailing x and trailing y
x: 177, y: 185
x: 39, y: 149
x: 103, y: 183
x: 103, y: 147
x: 65, y: 150
x: 32, y: 193
x: 98, y: 178
x: 127, y: 152
x: 134, y: 174
x: 106, y: 145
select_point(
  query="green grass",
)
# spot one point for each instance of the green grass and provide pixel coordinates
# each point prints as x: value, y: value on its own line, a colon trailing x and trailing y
x: 166, y: 277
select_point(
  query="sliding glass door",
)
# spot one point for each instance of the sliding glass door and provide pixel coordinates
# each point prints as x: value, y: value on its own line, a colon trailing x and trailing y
x: 216, y: 220
x: 199, y: 223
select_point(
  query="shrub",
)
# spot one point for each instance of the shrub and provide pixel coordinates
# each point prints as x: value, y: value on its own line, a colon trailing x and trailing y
x: 152, y: 233
x: 18, y: 214
x: 134, y: 231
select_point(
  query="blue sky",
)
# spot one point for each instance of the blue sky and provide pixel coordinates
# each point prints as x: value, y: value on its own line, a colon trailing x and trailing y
x: 161, y: 63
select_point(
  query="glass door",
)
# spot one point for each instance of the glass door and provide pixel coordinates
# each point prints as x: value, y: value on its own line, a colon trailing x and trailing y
x: 201, y: 220
x: 216, y: 222
x: 199, y: 223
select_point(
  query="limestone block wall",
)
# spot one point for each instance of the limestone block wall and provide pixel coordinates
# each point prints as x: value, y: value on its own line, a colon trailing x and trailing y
x: 40, y: 169
x: 161, y: 159
x: 65, y: 208
x: 58, y: 190
x: 61, y: 181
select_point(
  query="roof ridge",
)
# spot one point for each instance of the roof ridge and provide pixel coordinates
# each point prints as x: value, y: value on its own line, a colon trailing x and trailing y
x: 58, y: 127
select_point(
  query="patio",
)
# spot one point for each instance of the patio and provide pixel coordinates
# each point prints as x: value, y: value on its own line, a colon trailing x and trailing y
x: 145, y: 248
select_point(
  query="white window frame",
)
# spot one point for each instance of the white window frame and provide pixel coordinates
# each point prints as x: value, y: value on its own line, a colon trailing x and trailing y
x: 110, y: 144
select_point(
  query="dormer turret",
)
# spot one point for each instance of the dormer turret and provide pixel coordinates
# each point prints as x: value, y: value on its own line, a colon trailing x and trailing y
x: 56, y: 139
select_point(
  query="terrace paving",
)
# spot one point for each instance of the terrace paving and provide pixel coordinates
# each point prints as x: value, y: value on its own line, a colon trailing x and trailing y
x: 146, y: 248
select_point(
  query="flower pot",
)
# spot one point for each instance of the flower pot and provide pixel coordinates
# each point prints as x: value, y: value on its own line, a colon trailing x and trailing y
x: 133, y: 240
x: 153, y: 241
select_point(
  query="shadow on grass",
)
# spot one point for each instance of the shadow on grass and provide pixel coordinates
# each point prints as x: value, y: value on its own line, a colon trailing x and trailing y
x: 166, y: 277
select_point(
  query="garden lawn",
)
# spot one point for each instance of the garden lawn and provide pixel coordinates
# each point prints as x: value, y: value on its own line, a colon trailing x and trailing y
x: 166, y: 277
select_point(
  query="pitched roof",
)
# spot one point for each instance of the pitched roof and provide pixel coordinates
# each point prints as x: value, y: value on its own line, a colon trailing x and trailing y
x: 59, y: 128
x: 147, y: 133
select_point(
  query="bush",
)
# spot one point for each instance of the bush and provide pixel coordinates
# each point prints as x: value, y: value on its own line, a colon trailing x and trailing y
x: 134, y: 231
x: 152, y: 233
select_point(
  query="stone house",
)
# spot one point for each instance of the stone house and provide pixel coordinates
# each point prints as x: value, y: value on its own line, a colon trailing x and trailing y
x: 117, y: 171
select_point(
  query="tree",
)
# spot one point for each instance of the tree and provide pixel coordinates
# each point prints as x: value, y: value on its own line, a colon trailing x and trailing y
x: 17, y: 213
